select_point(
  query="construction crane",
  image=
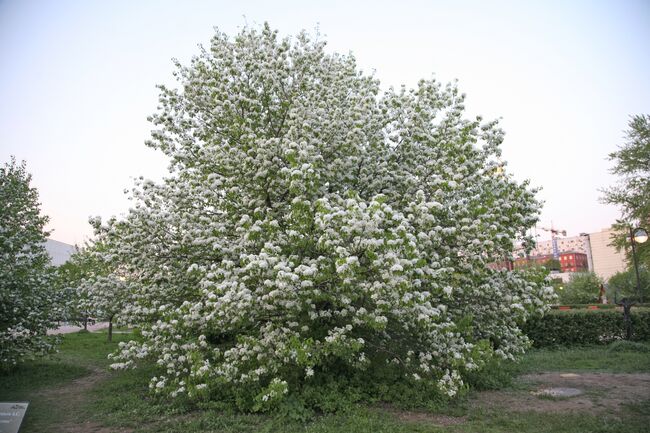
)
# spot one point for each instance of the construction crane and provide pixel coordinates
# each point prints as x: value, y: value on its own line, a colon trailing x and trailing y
x: 554, y: 232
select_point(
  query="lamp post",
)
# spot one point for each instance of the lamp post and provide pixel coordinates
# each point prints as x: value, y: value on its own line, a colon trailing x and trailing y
x: 637, y: 236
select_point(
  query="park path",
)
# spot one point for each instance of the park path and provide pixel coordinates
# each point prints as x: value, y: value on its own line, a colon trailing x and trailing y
x: 71, y: 398
x: 68, y: 329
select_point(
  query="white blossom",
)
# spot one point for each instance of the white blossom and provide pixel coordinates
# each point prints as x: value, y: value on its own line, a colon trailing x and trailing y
x: 307, y: 217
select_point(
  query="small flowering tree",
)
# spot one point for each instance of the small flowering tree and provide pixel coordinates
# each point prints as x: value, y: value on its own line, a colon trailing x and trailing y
x: 28, y: 304
x: 66, y: 279
x: 314, y: 228
x: 103, y: 296
x: 100, y: 288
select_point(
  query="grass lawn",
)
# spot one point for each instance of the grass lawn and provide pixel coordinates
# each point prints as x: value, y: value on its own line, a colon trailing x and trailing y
x: 613, y: 359
x: 73, y: 392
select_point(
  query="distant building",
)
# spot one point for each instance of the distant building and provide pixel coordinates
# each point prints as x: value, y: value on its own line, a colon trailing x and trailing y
x: 607, y: 261
x: 570, y: 261
x: 59, y: 252
x: 574, y: 243
x: 574, y: 261
x: 602, y: 258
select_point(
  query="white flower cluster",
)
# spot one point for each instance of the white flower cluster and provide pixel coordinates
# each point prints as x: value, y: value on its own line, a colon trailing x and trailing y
x: 29, y: 305
x: 310, y: 219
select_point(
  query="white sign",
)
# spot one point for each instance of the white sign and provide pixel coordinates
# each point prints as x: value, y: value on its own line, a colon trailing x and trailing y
x: 11, y: 416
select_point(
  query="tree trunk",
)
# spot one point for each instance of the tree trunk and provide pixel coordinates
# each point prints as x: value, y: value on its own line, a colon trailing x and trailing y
x: 627, y: 318
x: 110, y: 328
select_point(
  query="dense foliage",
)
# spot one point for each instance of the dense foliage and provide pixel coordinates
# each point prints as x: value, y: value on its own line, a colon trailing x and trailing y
x: 28, y: 305
x: 632, y: 194
x: 100, y: 292
x: 314, y: 230
x: 553, y: 265
x: 584, y: 327
x: 582, y: 288
x: 624, y: 284
x: 80, y: 283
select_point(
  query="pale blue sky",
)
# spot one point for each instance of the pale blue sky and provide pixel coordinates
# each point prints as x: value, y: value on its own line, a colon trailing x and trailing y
x: 77, y: 81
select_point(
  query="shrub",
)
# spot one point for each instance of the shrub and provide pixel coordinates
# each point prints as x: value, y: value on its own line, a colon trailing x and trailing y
x: 314, y: 229
x: 582, y: 288
x: 584, y: 327
x: 588, y: 306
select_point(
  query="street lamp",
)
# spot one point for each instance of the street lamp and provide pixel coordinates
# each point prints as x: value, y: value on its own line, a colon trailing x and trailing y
x: 637, y: 236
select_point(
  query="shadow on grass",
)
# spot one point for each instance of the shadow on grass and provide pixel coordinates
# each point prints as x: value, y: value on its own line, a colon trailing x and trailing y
x: 23, y: 380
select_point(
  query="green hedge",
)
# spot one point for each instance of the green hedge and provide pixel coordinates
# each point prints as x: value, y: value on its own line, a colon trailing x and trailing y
x: 584, y: 327
x: 585, y: 306
x: 599, y: 306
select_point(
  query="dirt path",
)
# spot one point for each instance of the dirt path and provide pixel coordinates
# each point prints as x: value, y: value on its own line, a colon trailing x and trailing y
x: 74, y: 394
x: 600, y: 392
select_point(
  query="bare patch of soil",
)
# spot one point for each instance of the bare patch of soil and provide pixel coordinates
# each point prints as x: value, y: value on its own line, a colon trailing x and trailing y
x: 602, y: 392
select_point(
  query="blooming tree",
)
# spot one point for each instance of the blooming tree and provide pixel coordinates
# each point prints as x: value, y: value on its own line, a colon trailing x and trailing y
x: 28, y: 305
x: 91, y: 286
x: 312, y: 224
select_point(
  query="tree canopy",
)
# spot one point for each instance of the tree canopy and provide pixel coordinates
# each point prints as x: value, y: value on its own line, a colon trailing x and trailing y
x: 582, y: 288
x: 28, y: 306
x: 624, y: 284
x: 632, y: 194
x: 314, y: 228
